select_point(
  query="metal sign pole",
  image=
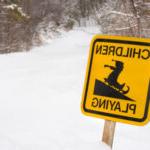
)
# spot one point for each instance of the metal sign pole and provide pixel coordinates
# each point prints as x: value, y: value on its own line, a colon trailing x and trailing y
x: 108, y: 133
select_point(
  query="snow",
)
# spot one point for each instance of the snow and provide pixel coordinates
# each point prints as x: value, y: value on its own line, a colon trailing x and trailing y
x: 19, y: 9
x: 40, y: 100
x: 121, y: 13
x: 126, y: 28
x: 12, y: 6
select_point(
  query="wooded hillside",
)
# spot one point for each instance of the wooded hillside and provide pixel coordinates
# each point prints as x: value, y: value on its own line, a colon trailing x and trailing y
x: 22, y: 20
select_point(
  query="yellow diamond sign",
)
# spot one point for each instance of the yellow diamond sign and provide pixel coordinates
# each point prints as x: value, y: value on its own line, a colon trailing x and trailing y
x: 117, y: 85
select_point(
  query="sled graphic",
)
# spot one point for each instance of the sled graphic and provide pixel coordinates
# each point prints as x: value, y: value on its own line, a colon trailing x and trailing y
x: 112, y: 79
x: 111, y: 87
x: 121, y: 90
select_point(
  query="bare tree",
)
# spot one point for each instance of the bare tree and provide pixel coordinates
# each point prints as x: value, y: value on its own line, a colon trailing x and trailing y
x: 124, y: 17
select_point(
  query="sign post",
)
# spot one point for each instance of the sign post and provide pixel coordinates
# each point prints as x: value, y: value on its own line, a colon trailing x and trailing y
x: 117, y: 84
x: 108, y: 133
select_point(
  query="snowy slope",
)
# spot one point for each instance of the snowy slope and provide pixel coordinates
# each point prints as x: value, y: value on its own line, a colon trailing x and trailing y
x: 40, y: 101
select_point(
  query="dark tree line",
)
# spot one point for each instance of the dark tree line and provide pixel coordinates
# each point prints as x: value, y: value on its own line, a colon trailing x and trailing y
x: 15, y: 26
x: 21, y: 20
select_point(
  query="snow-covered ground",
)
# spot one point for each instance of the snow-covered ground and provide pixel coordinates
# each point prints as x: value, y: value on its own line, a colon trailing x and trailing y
x: 40, y: 96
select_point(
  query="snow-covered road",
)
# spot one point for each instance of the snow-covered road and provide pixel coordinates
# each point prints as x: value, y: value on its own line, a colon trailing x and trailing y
x: 40, y: 101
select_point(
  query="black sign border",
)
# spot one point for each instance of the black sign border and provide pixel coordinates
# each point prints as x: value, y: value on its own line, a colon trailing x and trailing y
x: 88, y: 78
